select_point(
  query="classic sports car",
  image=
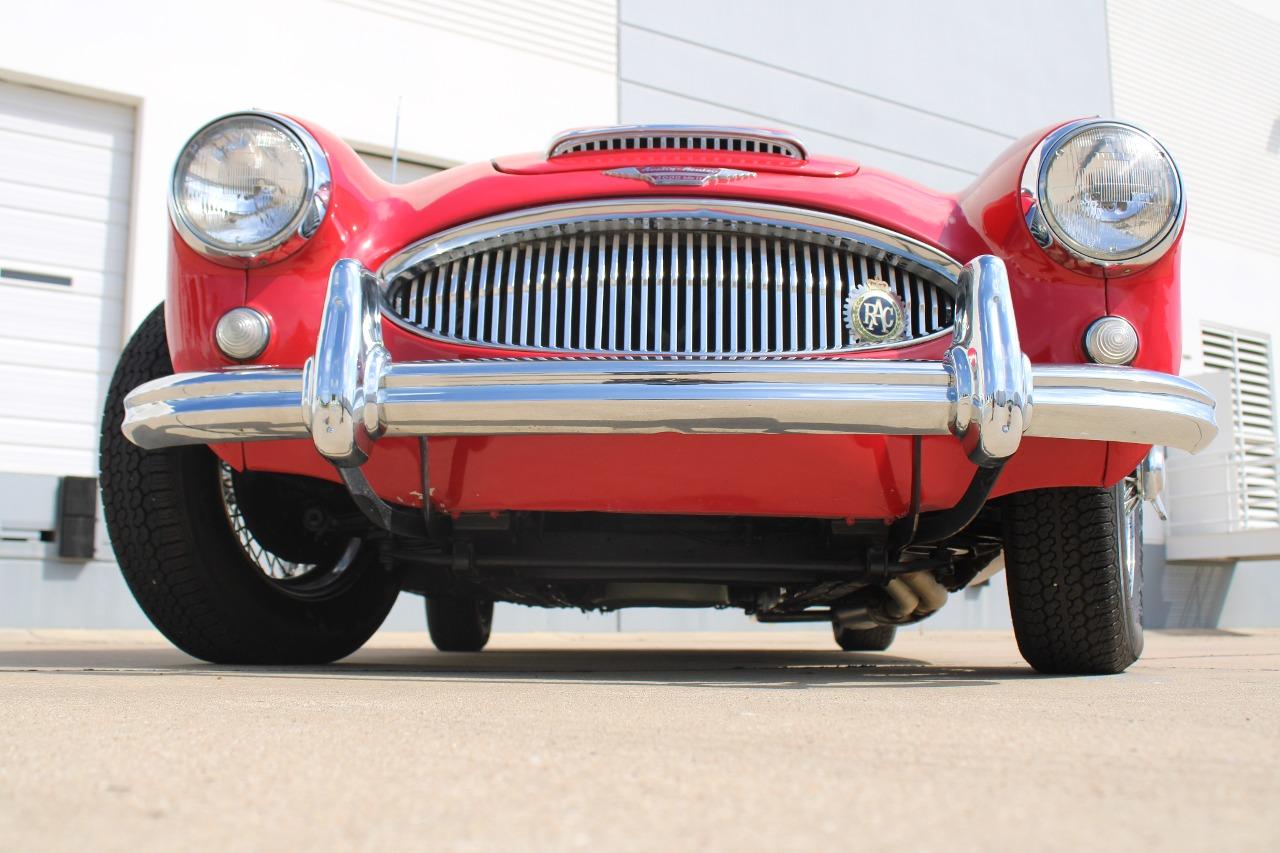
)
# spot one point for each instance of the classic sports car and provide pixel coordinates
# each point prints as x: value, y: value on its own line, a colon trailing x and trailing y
x: 651, y: 366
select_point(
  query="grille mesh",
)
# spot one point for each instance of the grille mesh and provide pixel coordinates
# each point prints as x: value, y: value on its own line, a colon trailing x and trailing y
x: 748, y: 144
x: 681, y: 289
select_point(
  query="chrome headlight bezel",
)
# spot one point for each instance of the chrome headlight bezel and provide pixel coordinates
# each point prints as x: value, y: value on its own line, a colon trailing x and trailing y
x: 300, y: 228
x: 1059, y: 245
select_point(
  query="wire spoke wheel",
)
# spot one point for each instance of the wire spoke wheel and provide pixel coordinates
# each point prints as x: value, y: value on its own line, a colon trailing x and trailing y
x: 299, y: 579
x: 1128, y: 504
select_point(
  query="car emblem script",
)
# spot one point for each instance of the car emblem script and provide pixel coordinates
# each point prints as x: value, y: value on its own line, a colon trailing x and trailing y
x: 874, y: 314
x: 680, y: 176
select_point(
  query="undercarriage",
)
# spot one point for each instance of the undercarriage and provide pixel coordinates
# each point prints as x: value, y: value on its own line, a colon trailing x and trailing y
x: 778, y: 569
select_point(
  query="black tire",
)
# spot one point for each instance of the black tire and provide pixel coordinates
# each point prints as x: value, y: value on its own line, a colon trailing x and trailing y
x: 459, y: 623
x: 1074, y: 563
x: 875, y: 639
x: 189, y: 573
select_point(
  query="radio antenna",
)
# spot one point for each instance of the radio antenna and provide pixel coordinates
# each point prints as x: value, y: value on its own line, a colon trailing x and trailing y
x: 395, y: 141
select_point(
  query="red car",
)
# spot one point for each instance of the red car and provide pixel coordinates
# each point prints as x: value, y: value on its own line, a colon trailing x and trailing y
x: 651, y: 366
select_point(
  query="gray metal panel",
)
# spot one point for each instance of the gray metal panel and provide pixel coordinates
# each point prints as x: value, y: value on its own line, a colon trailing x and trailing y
x: 866, y: 79
x: 28, y: 502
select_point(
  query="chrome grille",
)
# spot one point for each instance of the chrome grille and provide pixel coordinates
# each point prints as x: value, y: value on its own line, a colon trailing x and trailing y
x: 658, y: 284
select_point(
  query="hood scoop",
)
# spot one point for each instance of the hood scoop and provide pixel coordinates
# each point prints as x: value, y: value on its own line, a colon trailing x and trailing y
x: 676, y: 137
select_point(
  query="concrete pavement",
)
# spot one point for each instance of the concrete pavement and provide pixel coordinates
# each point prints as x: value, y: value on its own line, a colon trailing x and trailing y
x: 113, y: 740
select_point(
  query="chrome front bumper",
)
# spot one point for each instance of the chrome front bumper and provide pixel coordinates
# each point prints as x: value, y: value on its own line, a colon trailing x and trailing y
x: 985, y: 391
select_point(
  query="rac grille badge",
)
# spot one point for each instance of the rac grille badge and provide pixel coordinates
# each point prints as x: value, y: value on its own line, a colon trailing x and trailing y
x: 874, y: 314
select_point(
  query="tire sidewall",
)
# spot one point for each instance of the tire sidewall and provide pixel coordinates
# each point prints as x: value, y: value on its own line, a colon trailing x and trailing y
x: 183, y: 563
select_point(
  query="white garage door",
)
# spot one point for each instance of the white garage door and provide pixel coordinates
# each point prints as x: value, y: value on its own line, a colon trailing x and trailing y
x: 65, y: 177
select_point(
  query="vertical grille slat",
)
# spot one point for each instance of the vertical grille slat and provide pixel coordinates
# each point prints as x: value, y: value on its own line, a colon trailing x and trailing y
x: 718, y: 285
x: 593, y: 293
x: 918, y: 315
x: 582, y: 293
x: 509, y: 296
x: 627, y: 301
x: 480, y: 302
x: 468, y: 294
x: 748, y: 298
x: 704, y: 309
x: 453, y: 298
x: 613, y: 295
x: 733, y: 293
x: 666, y: 288
x: 525, y: 294
x: 896, y: 286
x: 644, y: 293
x: 539, y: 289
x: 673, y: 321
x: 792, y: 282
x: 566, y: 320
x: 415, y: 301
x: 811, y: 339
x: 837, y: 300
x: 688, y: 295
x: 553, y: 287
x: 658, y: 343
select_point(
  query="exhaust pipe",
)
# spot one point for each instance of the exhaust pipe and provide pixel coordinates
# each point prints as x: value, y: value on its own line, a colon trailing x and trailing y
x: 907, y: 598
x: 930, y: 594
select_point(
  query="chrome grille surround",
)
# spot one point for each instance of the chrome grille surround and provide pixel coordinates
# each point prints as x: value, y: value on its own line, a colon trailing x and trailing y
x: 696, y: 137
x: 663, y: 278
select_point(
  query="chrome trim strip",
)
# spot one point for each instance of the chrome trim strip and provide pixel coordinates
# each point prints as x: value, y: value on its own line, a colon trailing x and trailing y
x: 751, y: 140
x: 350, y: 393
x: 618, y: 214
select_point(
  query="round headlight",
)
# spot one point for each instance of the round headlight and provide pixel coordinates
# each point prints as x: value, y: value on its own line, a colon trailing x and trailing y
x: 1107, y: 192
x: 246, y: 184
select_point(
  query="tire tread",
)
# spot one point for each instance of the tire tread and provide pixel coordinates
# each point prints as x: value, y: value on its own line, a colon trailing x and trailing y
x: 165, y: 561
x: 1065, y: 590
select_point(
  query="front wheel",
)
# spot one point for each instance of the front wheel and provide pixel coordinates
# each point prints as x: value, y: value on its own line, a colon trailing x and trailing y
x: 222, y: 563
x: 1074, y: 561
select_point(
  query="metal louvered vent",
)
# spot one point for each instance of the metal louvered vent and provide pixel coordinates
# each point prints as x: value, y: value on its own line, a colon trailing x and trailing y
x: 677, y: 137
x: 664, y: 279
x: 1247, y: 357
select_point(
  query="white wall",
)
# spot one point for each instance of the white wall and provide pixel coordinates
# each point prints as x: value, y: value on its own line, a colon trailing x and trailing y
x: 1205, y: 79
x: 932, y: 91
x: 472, y: 79
x: 345, y: 65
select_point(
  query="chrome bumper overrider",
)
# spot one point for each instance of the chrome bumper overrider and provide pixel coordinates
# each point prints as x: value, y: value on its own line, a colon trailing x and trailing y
x: 985, y: 391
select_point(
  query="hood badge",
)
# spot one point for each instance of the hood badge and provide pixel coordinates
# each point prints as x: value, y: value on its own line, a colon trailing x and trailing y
x: 680, y: 176
x: 874, y: 313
